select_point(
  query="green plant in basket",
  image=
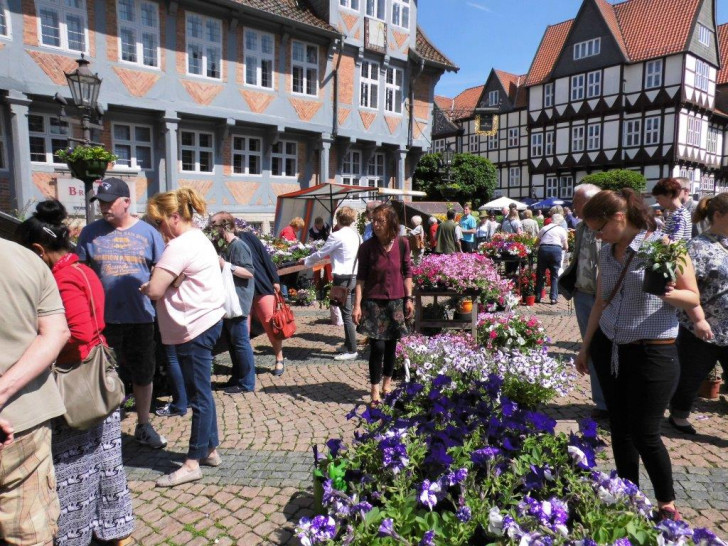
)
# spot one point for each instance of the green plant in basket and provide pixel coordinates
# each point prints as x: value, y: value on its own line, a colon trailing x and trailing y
x: 664, y: 256
x: 86, y: 153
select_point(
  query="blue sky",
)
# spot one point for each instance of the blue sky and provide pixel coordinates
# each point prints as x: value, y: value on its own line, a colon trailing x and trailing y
x: 478, y: 35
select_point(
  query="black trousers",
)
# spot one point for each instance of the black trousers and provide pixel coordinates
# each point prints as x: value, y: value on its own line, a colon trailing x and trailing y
x: 381, y: 359
x: 636, y: 401
x: 697, y: 358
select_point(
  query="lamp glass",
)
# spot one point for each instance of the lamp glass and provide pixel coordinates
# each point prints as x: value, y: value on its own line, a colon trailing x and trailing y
x: 84, y: 86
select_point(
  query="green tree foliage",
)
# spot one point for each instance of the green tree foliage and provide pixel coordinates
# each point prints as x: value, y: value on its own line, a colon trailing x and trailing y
x: 472, y: 178
x: 616, y: 180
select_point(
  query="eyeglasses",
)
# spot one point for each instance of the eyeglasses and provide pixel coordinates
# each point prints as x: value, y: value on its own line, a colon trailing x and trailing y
x: 599, y: 231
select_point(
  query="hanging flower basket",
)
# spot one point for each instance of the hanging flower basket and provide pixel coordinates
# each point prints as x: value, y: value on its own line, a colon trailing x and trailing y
x: 83, y: 169
x: 87, y: 162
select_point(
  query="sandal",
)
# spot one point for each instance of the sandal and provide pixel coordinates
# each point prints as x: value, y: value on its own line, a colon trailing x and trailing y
x: 375, y: 404
x: 178, y: 477
x: 277, y: 370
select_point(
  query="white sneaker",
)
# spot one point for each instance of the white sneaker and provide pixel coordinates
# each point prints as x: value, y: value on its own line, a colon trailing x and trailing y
x: 347, y: 356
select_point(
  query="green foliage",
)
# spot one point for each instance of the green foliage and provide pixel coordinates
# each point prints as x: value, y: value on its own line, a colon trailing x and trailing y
x: 664, y: 256
x: 472, y: 178
x: 85, y: 153
x: 616, y: 180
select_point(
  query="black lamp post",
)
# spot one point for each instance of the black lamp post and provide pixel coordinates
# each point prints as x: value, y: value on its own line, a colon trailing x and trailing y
x: 84, y: 86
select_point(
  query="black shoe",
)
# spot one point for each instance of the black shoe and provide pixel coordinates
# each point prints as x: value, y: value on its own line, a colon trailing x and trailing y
x: 279, y: 371
x: 167, y: 411
x: 685, y: 429
x: 235, y: 389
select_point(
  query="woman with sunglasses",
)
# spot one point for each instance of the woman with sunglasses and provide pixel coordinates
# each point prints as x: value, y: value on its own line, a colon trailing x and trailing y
x: 631, y: 340
x: 187, y: 285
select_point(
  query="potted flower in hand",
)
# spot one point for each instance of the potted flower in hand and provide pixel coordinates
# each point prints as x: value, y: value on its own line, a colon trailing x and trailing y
x: 527, y: 286
x: 662, y: 259
x: 710, y: 387
x: 87, y: 162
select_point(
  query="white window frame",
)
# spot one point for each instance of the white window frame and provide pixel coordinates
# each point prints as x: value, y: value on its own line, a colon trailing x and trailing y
x: 62, y: 13
x: 240, y: 148
x: 393, y: 92
x: 401, y: 13
x: 704, y: 35
x: 261, y: 61
x: 536, y: 144
x: 548, y: 95
x: 197, y: 149
x: 593, y: 136
x: 205, y: 45
x: 493, y: 97
x: 577, y: 138
x: 695, y: 129
x: 140, y: 31
x: 377, y: 9
x: 369, y: 85
x: 49, y: 136
x: 712, y: 140
x: 548, y: 146
x: 281, y: 151
x: 376, y: 171
x: 438, y: 145
x: 566, y: 187
x: 514, y: 177
x: 5, y: 30
x: 632, y: 132
x: 702, y: 75
x: 514, y: 137
x: 474, y: 144
x: 552, y: 187
x: 493, y: 141
x: 309, y: 69
x: 349, y: 4
x: 652, y: 130
x: 653, y: 74
x: 133, y: 143
x: 593, y: 84
x: 351, y: 168
x: 587, y: 48
x: 577, y: 87
x: 3, y: 144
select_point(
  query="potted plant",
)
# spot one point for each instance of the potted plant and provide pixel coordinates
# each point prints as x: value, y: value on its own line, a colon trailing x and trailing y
x: 710, y: 387
x: 87, y: 162
x: 465, y: 306
x: 662, y: 259
x: 527, y: 286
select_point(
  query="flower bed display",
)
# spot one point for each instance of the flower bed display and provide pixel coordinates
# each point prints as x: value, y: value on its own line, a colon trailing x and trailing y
x: 508, y: 245
x: 451, y: 459
x: 511, y: 331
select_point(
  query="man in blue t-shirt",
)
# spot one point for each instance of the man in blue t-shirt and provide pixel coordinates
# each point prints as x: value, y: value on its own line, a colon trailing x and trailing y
x: 468, y: 225
x: 122, y: 250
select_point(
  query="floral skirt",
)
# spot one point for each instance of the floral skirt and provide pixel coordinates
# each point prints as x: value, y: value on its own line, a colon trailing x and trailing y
x: 383, y: 319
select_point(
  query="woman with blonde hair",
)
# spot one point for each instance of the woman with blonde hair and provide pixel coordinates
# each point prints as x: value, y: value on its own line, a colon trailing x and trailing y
x: 187, y: 284
x: 290, y: 232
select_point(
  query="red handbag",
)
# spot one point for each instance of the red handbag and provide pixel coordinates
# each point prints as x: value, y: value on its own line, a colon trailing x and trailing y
x: 282, y: 322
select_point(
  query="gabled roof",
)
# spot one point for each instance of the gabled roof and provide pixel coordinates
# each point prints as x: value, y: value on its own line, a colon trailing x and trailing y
x: 548, y: 51
x: 722, y: 34
x: 429, y: 52
x: 514, y: 86
x: 642, y: 29
x: 463, y: 105
x: 444, y: 103
x: 295, y: 10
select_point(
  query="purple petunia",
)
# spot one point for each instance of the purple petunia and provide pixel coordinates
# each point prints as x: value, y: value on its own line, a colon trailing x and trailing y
x: 317, y: 531
x: 482, y: 456
x: 335, y: 445
x: 464, y: 514
x: 386, y: 528
x: 428, y: 539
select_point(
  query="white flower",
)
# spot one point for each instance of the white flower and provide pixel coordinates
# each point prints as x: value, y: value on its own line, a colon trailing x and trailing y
x: 578, y: 455
x: 495, y: 522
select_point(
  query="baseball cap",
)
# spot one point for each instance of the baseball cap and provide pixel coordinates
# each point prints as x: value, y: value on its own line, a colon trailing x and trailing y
x: 111, y: 189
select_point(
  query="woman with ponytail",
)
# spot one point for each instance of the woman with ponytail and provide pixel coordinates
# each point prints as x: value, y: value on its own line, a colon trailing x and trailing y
x: 106, y: 510
x: 701, y: 345
x: 187, y: 285
x: 631, y: 340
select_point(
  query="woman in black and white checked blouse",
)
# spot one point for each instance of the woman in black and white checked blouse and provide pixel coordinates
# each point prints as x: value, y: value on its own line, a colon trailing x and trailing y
x: 632, y: 341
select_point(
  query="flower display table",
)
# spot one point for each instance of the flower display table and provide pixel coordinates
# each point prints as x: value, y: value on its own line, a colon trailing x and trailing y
x: 470, y: 324
x: 285, y: 269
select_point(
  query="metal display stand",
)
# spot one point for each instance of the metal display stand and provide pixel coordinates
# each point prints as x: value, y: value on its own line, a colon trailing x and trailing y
x: 471, y: 324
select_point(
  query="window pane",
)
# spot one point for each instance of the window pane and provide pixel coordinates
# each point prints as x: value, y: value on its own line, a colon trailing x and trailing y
x: 188, y: 139
x: 36, y: 124
x: 213, y: 31
x: 297, y: 51
x: 238, y: 164
x: 128, y: 45
x: 213, y: 62
x: 297, y: 73
x: 149, y: 47
x: 254, y: 164
x: 194, y: 26
x: 254, y: 144
x: 58, y: 144
x: 126, y: 10
x: 266, y: 42
x: 291, y: 148
x: 188, y: 160
x: 122, y: 132
x: 194, y: 55
x: 144, y: 157
x: 37, y: 149
x: 250, y: 71
x: 149, y: 15
x: 58, y: 127
x: 76, y: 37
x: 311, y: 54
x: 311, y: 81
x: 49, y: 28
x: 205, y: 140
x: 124, y: 153
x: 251, y: 40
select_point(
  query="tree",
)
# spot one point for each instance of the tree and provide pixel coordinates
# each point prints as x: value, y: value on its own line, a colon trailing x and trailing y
x: 616, y: 180
x: 472, y: 178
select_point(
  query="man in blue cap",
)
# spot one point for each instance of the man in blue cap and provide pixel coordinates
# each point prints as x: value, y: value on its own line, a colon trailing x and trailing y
x: 122, y: 250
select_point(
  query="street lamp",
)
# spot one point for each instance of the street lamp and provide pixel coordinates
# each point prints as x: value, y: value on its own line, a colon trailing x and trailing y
x: 84, y: 86
x: 446, y: 160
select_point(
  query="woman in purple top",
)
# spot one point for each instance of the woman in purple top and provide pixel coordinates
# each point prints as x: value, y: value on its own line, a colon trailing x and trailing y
x: 383, y: 299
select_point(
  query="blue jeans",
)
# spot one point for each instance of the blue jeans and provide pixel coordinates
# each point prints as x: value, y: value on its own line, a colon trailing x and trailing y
x: 241, y: 353
x: 195, y: 358
x: 549, y: 257
x: 176, y: 381
x: 583, y: 304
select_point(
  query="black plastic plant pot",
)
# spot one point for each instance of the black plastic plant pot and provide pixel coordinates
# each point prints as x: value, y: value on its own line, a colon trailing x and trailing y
x: 88, y: 169
x: 655, y: 282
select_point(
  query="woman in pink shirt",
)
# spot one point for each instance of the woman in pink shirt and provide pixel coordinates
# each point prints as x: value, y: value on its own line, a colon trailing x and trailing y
x: 187, y: 285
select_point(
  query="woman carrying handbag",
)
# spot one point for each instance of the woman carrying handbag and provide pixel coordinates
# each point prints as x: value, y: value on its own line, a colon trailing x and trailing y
x: 90, y: 478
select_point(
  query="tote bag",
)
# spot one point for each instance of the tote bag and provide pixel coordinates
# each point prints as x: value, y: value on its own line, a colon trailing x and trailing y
x: 232, y: 301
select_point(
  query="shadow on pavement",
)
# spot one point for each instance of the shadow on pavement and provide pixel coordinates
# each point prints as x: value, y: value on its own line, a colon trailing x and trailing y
x: 320, y: 392
x: 158, y: 460
x: 298, y: 506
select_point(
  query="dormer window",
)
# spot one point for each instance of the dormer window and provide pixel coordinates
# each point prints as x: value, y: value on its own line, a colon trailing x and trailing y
x: 705, y: 35
x: 493, y: 98
x: 588, y: 48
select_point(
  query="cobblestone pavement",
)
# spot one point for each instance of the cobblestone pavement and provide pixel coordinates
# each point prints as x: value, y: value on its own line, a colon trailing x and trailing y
x: 263, y: 486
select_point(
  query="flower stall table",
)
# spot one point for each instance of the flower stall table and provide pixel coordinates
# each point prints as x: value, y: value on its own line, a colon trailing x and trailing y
x: 285, y: 269
x: 471, y: 324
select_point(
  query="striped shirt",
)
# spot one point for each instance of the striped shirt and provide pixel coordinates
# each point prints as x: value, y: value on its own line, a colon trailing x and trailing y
x: 633, y: 314
x: 679, y: 224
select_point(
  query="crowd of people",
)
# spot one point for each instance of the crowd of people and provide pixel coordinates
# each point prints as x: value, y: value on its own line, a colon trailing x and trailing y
x: 129, y: 282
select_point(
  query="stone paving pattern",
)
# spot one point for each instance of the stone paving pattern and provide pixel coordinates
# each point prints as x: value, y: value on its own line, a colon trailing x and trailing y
x: 263, y: 486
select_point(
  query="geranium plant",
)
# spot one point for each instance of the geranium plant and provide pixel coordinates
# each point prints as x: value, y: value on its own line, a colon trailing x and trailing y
x: 527, y: 282
x: 664, y: 256
x: 86, y: 153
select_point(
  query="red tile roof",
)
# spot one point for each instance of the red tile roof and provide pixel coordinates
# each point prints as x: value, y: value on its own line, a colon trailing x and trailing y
x: 429, y: 52
x: 295, y: 10
x: 653, y: 28
x: 551, y: 45
x: 514, y: 86
x: 610, y: 17
x: 443, y: 103
x: 463, y: 105
x: 723, y: 53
